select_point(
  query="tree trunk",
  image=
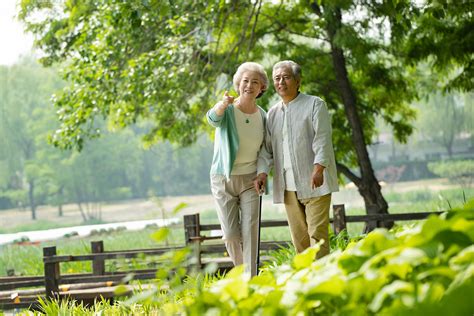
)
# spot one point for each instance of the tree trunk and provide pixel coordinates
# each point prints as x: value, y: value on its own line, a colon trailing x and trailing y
x: 449, y: 149
x: 367, y: 183
x: 84, y: 217
x: 31, y: 197
x: 60, y: 201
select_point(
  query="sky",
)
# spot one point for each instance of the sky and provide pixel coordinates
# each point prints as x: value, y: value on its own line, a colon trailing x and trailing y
x: 14, y: 42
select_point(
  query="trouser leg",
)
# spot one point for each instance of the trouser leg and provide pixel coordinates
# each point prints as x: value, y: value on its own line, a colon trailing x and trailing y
x: 297, y: 221
x: 317, y: 219
x: 227, y: 206
x: 249, y: 203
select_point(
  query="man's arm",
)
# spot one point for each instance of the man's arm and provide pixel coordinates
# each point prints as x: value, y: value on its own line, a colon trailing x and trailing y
x: 321, y: 142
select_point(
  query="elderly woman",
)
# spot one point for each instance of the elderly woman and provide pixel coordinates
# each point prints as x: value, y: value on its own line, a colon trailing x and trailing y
x: 240, y: 133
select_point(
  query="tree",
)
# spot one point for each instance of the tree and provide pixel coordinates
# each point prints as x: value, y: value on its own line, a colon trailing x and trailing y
x: 440, y: 32
x: 443, y: 118
x: 25, y: 93
x: 103, y: 171
x: 127, y: 61
x: 160, y: 61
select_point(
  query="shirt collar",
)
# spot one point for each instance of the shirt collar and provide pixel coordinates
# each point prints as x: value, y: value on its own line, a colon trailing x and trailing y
x: 282, y: 105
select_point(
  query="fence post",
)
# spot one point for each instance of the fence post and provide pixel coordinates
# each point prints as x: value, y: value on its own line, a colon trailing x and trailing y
x: 98, y: 265
x: 51, y: 273
x: 192, y: 235
x: 339, y: 220
x: 191, y: 227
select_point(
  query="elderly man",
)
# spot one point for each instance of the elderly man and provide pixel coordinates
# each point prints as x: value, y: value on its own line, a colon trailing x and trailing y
x: 299, y: 146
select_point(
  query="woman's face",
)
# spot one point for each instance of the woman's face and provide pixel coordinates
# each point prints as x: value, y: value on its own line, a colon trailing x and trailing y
x: 250, y: 85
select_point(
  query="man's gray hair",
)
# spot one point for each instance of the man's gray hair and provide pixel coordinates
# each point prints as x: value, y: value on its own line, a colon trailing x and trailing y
x: 295, y: 68
x: 254, y: 67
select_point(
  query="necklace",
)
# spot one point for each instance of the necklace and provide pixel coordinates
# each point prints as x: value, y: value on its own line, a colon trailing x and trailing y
x: 247, y: 118
x: 246, y: 115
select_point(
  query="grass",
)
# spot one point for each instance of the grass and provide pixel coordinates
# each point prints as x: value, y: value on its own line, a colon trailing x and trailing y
x: 443, y: 199
x: 415, y: 201
x: 27, y: 259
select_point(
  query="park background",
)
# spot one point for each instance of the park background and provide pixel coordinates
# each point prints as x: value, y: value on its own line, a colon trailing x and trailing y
x: 124, y: 175
x: 147, y: 154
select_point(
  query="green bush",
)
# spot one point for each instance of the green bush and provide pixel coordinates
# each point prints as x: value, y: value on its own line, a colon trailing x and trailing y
x: 458, y: 171
x: 423, y: 270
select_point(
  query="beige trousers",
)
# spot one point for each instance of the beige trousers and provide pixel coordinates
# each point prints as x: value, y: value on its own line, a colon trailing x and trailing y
x: 309, y: 221
x: 237, y: 205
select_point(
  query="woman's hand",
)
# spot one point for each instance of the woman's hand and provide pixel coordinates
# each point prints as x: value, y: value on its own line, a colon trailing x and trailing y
x: 222, y: 105
x: 260, y: 182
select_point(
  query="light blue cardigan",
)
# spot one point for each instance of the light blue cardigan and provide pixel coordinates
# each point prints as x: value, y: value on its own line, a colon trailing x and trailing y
x: 226, y: 143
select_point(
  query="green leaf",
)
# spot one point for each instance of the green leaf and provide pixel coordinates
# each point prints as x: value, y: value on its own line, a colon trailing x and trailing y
x: 234, y: 286
x: 437, y: 272
x: 392, y: 290
x: 465, y: 276
x: 263, y: 280
x: 306, y: 258
x: 121, y: 290
x: 463, y: 259
x: 334, y: 286
x: 160, y: 234
x: 179, y: 207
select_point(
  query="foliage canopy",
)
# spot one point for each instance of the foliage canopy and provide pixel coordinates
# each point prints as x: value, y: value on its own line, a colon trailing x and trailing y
x: 159, y: 61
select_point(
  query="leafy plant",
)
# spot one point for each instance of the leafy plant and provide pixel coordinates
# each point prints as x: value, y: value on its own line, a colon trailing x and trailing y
x: 416, y: 270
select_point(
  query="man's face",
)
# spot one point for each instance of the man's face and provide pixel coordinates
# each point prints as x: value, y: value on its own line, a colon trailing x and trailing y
x: 285, y: 83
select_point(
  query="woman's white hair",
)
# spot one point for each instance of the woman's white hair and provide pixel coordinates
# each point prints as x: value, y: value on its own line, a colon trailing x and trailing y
x: 255, y: 67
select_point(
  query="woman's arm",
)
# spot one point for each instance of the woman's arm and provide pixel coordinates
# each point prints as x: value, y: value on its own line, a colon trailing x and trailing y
x: 217, y: 112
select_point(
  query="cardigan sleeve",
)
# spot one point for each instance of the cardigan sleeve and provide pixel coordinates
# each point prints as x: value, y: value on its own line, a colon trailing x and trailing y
x: 214, y: 119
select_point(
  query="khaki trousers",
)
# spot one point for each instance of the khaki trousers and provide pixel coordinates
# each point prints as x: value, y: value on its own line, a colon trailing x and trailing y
x: 237, y: 205
x: 309, y: 221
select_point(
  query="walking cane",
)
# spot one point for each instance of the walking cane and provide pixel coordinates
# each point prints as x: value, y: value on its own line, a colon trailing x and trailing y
x: 260, y: 195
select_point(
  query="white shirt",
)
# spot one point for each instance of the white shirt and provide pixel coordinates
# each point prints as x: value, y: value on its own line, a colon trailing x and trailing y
x: 250, y: 130
x: 290, y: 184
x: 309, y: 142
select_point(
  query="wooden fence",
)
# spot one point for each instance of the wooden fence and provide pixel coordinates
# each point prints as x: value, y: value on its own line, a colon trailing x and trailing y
x: 85, y: 286
x: 89, y: 286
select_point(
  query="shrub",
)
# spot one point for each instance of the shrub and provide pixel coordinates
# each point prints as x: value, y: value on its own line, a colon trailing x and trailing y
x: 459, y: 171
x: 420, y: 270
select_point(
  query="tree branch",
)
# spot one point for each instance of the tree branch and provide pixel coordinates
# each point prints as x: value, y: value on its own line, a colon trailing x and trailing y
x: 348, y: 173
x: 252, y: 34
